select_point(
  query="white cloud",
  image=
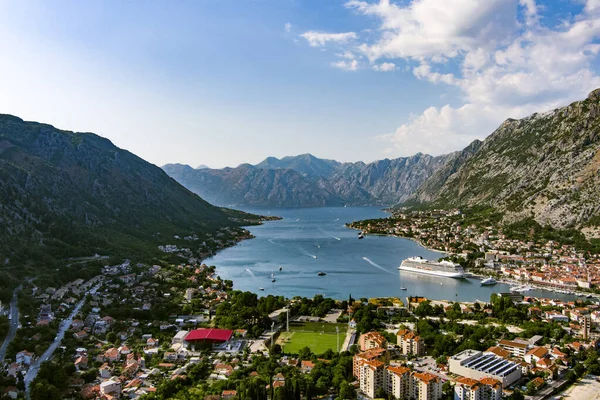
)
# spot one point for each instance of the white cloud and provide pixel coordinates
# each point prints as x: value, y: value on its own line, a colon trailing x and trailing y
x: 287, y: 27
x: 426, y: 29
x: 423, y: 71
x: 316, y: 39
x: 499, y: 66
x: 347, y: 55
x: 384, y: 67
x: 346, y: 65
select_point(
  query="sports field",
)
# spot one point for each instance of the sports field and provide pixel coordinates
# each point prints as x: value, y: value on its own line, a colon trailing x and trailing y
x: 317, y: 335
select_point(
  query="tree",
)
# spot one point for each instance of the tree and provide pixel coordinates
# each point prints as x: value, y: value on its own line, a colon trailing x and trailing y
x: 305, y: 353
x: 380, y: 393
x: 347, y: 391
x: 111, y: 337
x: 276, y: 349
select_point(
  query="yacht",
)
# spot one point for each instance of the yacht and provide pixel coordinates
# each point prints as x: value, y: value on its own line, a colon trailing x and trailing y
x: 488, y: 281
x: 521, y: 289
x: 402, y: 288
x: 444, y: 268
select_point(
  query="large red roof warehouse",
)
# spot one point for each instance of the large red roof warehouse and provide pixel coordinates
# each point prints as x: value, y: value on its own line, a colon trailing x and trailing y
x: 209, y: 335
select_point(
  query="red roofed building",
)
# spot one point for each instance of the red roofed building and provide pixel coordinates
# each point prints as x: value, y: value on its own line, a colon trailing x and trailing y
x: 210, y: 336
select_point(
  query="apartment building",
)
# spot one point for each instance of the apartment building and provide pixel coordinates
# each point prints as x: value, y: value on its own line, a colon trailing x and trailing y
x: 483, y: 389
x: 371, y: 377
x: 371, y: 355
x: 410, y: 343
x: 372, y: 340
x: 397, y: 381
x: 425, y: 386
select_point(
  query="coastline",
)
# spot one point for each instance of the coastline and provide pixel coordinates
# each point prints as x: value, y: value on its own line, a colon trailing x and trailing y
x: 417, y: 241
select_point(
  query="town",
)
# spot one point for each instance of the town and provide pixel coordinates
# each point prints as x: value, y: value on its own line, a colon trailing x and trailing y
x: 518, y: 253
x: 178, y: 330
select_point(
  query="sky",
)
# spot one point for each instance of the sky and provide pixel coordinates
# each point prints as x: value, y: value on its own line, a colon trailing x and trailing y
x: 223, y: 82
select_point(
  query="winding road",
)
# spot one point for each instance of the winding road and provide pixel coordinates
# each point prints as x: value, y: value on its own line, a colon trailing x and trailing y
x: 14, y: 323
x: 65, y: 324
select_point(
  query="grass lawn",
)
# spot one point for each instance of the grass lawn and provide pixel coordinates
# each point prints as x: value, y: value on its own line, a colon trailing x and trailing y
x: 319, y: 336
x: 316, y: 327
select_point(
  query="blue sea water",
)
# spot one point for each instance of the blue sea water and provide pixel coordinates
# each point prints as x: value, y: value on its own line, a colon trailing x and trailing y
x: 309, y: 240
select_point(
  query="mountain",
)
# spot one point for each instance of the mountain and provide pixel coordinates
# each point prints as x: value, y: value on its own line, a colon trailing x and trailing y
x: 545, y: 166
x: 305, y: 164
x: 247, y: 185
x: 384, y: 181
x: 308, y: 181
x: 65, y: 194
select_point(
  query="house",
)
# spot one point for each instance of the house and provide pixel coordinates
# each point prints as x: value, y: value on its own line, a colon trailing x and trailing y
x: 223, y: 369
x: 77, y: 324
x: 306, y: 366
x: 24, y: 357
x: 112, y: 354
x: 228, y: 394
x: 80, y: 335
x: 105, y: 371
x: 81, y: 363
x: 536, y: 354
x: 110, y: 387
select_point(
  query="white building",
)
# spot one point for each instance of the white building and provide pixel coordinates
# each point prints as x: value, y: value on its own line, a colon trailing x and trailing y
x: 478, y: 365
x: 111, y: 386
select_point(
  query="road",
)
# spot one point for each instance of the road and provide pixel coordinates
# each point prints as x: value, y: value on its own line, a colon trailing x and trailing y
x: 65, y: 324
x: 14, y: 323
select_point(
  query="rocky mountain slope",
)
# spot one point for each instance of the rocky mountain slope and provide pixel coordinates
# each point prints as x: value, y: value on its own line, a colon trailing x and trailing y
x: 65, y: 194
x: 308, y: 181
x: 545, y: 166
x: 247, y: 185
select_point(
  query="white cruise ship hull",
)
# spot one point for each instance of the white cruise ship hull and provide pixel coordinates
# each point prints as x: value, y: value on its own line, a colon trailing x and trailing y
x: 446, y: 274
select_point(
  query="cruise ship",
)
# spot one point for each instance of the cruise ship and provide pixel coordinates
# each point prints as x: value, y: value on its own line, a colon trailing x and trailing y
x: 423, y: 266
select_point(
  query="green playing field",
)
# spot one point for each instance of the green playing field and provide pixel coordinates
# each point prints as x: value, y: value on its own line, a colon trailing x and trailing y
x: 318, y: 336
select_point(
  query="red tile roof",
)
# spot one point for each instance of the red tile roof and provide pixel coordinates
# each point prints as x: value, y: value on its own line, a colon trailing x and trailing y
x: 217, y: 335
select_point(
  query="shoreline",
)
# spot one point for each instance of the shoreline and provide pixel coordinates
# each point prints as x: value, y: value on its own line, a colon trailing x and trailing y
x: 417, y: 241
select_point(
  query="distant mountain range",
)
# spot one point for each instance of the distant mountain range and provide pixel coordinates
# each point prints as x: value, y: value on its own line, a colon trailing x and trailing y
x: 308, y: 181
x: 545, y: 166
x: 65, y: 194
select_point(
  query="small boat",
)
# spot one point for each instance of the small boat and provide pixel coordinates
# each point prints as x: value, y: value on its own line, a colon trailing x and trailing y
x: 273, y: 279
x: 280, y: 268
x: 441, y: 283
x: 488, y: 282
x: 315, y: 257
x: 402, y: 288
x: 321, y: 273
x: 589, y: 296
x: 361, y: 236
x: 260, y: 288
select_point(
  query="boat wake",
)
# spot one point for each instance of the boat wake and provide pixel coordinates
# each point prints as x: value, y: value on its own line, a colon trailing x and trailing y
x: 327, y: 234
x: 276, y: 244
x: 377, y: 266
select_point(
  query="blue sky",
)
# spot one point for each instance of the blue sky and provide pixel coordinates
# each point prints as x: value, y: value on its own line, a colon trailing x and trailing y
x: 225, y: 82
